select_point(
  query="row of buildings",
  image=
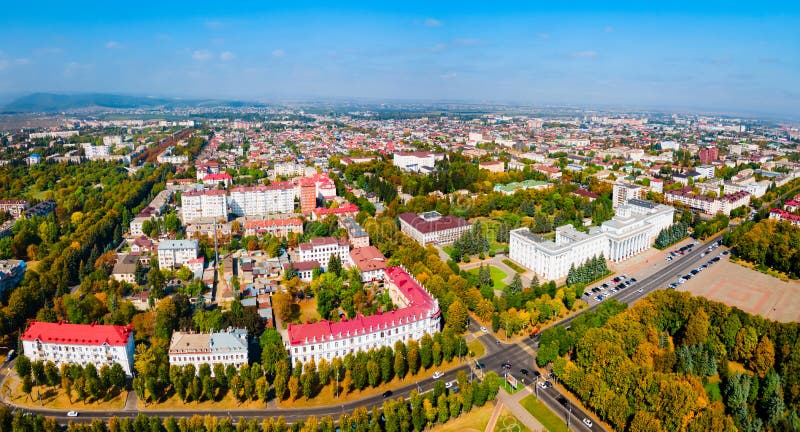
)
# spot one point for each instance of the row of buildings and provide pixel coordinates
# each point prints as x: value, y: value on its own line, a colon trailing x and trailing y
x: 417, y: 313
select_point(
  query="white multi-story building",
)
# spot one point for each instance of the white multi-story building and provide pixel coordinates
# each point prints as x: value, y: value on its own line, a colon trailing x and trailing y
x: 416, y: 161
x: 622, y: 192
x: 705, y: 171
x: 757, y: 189
x: 432, y: 227
x: 320, y: 250
x: 288, y: 169
x: 632, y: 230
x: 708, y: 205
x: 198, y: 205
x: 93, y: 152
x: 175, y: 253
x: 228, y: 347
x: 417, y: 313
x: 80, y: 344
x: 15, y: 208
x: 263, y: 200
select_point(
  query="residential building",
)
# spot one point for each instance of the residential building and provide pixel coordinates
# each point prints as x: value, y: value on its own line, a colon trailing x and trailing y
x: 357, y: 236
x: 125, y: 268
x: 757, y: 189
x: 16, y: 208
x: 783, y: 215
x: 11, y: 273
x: 705, y: 171
x: 263, y: 200
x: 346, y: 210
x: 93, y: 152
x: 708, y: 155
x: 175, y: 253
x: 308, y: 196
x: 708, y: 205
x: 198, y: 205
x: 623, y: 192
x: 304, y: 269
x: 218, y: 179
x: 80, y: 344
x: 320, y: 249
x: 493, y: 166
x: 432, y: 227
x: 370, y: 262
x: 225, y: 347
x: 273, y: 227
x: 417, y: 314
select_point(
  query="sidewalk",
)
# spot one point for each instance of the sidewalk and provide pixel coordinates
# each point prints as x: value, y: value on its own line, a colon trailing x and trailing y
x: 512, y: 403
x: 498, y: 408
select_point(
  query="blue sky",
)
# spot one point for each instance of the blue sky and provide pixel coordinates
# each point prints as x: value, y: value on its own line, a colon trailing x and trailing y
x: 721, y: 56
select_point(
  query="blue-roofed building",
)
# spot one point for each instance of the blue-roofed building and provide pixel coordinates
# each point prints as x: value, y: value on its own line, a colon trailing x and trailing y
x: 227, y: 347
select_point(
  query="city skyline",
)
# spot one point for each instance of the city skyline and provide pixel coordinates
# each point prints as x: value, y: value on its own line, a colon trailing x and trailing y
x: 718, y: 57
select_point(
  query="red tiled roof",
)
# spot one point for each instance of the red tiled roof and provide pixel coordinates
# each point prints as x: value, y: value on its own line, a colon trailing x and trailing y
x: 368, y: 258
x: 419, y: 304
x: 272, y: 223
x: 303, y: 265
x: 218, y: 176
x: 347, y: 208
x: 77, y: 334
x: 200, y: 192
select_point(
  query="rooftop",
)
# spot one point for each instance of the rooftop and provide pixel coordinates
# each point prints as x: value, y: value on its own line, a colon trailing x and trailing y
x: 77, y: 334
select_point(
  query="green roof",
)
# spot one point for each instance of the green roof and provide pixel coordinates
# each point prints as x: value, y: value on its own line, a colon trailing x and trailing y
x: 511, y: 187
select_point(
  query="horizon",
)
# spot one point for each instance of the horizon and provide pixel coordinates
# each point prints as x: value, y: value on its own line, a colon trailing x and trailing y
x: 684, y: 57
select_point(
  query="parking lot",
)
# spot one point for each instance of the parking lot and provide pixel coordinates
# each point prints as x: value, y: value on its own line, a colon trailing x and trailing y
x: 749, y: 290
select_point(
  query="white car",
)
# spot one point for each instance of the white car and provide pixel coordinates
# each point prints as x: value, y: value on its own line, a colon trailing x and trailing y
x: 72, y: 414
x: 484, y: 329
x: 448, y: 384
x: 588, y: 422
x: 437, y: 375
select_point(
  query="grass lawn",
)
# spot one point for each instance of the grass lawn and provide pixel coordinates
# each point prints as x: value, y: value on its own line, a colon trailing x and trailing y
x: 549, y: 419
x: 56, y: 398
x: 477, y: 348
x: 712, y: 388
x: 497, y: 276
x: 508, y: 388
x: 474, y: 421
x: 516, y: 267
x: 508, y: 423
x: 308, y: 311
x: 326, y: 395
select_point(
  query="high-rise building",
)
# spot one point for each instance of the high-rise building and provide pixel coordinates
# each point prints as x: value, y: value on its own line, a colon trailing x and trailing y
x: 708, y: 154
x: 308, y: 196
x: 625, y: 191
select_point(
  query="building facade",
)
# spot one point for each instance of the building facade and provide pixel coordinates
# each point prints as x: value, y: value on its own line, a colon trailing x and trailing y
x: 432, y: 227
x: 201, y: 205
x: 227, y: 347
x: 273, y: 227
x: 80, y: 344
x: 622, y: 192
x: 632, y: 230
x: 708, y: 205
x: 320, y: 250
x: 417, y: 313
x: 263, y: 200
x: 176, y: 253
x: 415, y: 161
x: 16, y: 208
x: 11, y: 273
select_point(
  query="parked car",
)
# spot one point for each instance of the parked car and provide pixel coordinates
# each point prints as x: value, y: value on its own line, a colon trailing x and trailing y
x: 72, y: 414
x: 524, y: 371
x: 437, y: 375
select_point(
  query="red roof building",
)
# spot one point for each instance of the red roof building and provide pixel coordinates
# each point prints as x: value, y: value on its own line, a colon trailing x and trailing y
x: 64, y: 343
x: 417, y: 314
x: 432, y: 227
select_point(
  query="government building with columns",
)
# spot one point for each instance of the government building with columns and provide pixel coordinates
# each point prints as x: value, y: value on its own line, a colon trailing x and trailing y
x: 631, y: 231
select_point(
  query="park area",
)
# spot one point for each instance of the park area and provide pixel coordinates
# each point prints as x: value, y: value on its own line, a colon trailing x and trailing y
x: 497, y: 276
x: 549, y: 420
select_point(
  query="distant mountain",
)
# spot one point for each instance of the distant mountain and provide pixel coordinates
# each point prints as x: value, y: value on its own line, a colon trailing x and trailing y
x: 51, y: 102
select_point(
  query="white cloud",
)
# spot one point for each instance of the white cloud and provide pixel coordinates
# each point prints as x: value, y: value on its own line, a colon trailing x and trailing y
x: 584, y: 54
x: 112, y: 44
x: 468, y: 42
x: 433, y: 22
x: 278, y: 53
x: 202, y: 55
x: 448, y: 76
x: 22, y: 61
x: 227, y: 56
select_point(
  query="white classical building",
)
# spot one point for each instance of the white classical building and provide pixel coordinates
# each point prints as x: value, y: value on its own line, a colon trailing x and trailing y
x: 432, y: 227
x: 417, y: 313
x: 227, y: 347
x: 80, y: 344
x: 175, y: 253
x: 320, y: 249
x: 197, y: 205
x: 263, y: 200
x: 415, y: 161
x: 632, y: 230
